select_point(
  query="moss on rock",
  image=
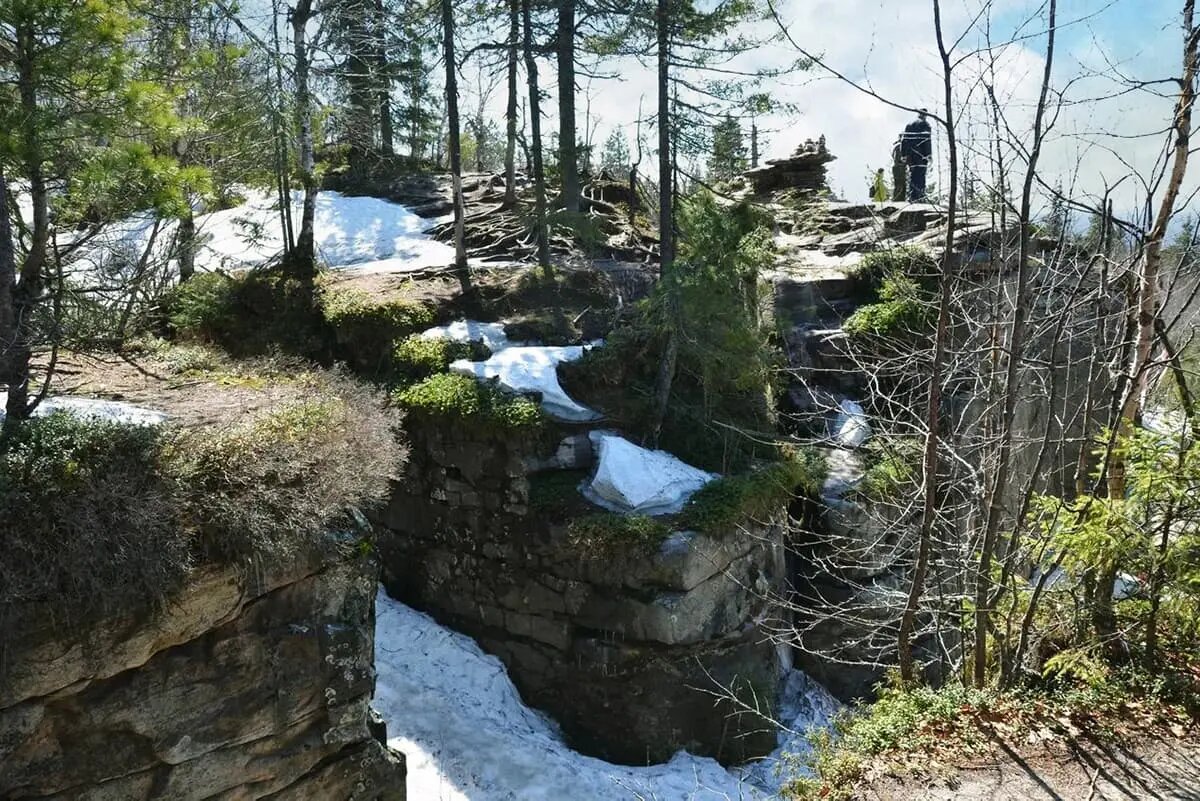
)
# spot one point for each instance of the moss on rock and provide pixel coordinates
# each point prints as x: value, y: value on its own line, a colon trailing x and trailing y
x: 463, y: 399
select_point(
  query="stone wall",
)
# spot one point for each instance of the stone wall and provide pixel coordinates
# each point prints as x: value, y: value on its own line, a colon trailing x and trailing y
x: 250, y: 684
x: 623, y: 645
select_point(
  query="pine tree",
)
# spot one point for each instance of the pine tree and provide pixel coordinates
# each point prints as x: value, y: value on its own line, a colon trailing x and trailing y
x: 615, y: 155
x: 728, y: 158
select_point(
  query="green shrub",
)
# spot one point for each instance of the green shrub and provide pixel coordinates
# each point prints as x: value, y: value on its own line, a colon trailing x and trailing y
x: 913, y: 262
x: 101, y: 516
x: 904, y: 310
x: 721, y: 505
x: 248, y: 314
x: 267, y: 485
x: 415, y: 359
x: 89, y: 522
x: 893, y: 465
x: 465, y: 400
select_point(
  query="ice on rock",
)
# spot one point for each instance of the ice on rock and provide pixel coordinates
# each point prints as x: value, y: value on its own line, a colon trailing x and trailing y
x: 850, y: 426
x: 633, y: 480
x: 95, y: 409
x: 532, y: 369
x: 490, y: 334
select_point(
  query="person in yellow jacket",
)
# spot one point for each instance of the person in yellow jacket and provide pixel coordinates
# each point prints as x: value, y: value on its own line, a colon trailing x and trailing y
x: 879, y: 190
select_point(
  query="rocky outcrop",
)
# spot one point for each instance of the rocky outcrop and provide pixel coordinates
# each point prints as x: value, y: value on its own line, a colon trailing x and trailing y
x: 629, y: 646
x: 250, y: 684
x: 803, y: 171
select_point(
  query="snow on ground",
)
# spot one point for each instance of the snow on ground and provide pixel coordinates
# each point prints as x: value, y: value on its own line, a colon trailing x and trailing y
x: 362, y: 233
x: 95, y: 409
x: 466, y: 735
x: 633, y: 480
x: 532, y: 369
x: 490, y: 334
x: 518, y: 367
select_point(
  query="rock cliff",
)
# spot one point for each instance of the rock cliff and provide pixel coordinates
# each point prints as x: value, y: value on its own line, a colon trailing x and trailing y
x: 252, y: 683
x: 629, y: 647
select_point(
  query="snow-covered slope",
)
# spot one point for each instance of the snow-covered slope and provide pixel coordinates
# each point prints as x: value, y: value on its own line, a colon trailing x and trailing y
x: 454, y: 713
x: 361, y: 233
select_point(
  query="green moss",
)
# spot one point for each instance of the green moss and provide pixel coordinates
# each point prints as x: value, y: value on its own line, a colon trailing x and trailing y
x: 466, y: 400
x: 912, y: 262
x: 603, y: 532
x: 555, y: 492
x: 415, y: 359
x: 359, y: 319
x: 723, y: 504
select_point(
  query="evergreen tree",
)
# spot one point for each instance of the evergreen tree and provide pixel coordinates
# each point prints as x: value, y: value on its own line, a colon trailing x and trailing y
x: 615, y: 155
x: 728, y: 158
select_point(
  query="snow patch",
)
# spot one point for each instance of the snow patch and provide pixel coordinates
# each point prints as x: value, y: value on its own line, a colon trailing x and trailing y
x: 633, y: 480
x: 490, y: 334
x: 95, y: 409
x: 454, y: 713
x: 363, y: 233
x: 532, y: 369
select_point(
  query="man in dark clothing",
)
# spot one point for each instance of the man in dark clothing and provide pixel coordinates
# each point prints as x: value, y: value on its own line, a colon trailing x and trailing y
x: 899, y: 174
x: 916, y: 145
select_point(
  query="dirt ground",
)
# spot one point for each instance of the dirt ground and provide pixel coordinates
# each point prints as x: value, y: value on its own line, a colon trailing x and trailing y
x: 190, y: 399
x: 1083, y: 770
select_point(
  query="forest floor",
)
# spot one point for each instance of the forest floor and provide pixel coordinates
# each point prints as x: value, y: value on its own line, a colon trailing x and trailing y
x: 1080, y: 769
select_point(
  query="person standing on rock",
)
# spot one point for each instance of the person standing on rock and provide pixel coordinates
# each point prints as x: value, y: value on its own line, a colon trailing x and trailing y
x: 879, y: 192
x: 899, y: 172
x: 917, y: 149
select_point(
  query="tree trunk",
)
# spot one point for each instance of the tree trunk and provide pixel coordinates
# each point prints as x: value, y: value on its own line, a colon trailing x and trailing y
x: 304, y: 257
x: 186, y: 238
x: 929, y: 487
x: 8, y: 285
x: 455, y: 146
x: 510, y: 112
x: 568, y: 159
x: 28, y: 287
x: 383, y: 79
x: 535, y: 123
x: 1016, y: 350
x: 666, y: 221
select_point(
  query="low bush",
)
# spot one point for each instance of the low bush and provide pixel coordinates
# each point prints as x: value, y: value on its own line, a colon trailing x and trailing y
x: 466, y: 401
x: 99, y: 516
x: 366, y: 329
x: 915, y: 263
x: 89, y: 519
x: 247, y: 314
x: 721, y: 505
x: 904, y: 311
x: 267, y: 485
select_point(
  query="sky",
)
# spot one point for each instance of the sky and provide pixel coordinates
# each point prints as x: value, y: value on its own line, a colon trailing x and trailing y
x: 889, y: 47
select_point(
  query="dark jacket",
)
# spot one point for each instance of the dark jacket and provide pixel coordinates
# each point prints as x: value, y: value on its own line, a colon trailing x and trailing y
x: 916, y: 143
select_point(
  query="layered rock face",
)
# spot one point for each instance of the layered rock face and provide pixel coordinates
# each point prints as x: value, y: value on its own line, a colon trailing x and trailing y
x: 628, y: 646
x: 250, y: 684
